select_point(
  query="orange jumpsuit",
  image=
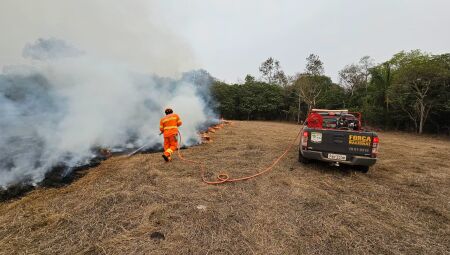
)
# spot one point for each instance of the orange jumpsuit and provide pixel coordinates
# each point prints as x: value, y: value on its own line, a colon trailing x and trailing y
x: 169, y: 126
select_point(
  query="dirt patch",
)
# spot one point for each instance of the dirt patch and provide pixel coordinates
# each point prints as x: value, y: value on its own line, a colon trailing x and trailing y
x: 401, y: 206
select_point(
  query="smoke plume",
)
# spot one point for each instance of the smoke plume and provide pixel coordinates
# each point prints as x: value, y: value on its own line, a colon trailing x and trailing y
x: 66, y: 102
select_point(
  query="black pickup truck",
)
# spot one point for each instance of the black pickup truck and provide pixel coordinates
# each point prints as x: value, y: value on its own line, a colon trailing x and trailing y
x: 336, y: 136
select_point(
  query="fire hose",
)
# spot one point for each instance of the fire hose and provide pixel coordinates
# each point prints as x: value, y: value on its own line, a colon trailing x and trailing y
x: 224, y: 177
x: 139, y: 149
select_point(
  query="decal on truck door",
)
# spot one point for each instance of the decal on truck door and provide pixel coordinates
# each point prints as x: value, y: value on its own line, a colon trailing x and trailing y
x: 316, y: 137
x: 362, y: 140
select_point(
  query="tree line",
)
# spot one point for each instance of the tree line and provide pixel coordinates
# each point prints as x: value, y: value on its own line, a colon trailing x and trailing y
x: 410, y: 91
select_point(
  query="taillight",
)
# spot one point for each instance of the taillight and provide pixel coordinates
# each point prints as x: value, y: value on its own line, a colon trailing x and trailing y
x: 375, y: 146
x: 305, y: 139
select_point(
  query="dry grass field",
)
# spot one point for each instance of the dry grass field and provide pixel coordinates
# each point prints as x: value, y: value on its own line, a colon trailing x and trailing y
x: 142, y: 205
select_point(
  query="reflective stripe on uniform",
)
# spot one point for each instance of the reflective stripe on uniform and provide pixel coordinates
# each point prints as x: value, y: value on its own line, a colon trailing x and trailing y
x: 170, y: 127
x: 171, y: 118
x: 170, y: 151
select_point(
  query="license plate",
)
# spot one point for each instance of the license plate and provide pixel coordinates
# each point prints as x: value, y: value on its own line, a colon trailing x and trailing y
x: 337, y: 156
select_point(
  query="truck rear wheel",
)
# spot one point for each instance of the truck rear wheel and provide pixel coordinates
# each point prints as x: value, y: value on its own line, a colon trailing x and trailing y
x: 363, y: 169
x: 302, y: 159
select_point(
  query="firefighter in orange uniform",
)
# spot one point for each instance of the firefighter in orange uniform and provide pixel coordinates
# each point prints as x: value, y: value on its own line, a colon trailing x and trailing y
x: 169, y: 127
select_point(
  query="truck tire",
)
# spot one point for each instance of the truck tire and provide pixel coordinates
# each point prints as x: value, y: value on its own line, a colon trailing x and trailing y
x: 302, y: 159
x: 362, y: 169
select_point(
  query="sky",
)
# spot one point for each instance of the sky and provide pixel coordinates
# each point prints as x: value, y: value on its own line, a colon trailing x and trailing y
x: 228, y: 38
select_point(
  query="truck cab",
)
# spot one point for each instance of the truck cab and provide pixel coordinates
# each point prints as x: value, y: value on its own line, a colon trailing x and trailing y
x: 337, y: 136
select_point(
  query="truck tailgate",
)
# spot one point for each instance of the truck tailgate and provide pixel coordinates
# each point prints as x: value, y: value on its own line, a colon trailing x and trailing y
x: 340, y: 141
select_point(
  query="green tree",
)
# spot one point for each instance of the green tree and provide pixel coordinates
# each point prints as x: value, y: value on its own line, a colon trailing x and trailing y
x: 419, y: 80
x: 249, y: 79
x: 311, y: 83
x: 226, y: 99
x: 272, y: 73
x: 366, y: 63
x: 269, y: 68
x: 409, y: 91
x: 260, y: 100
x: 379, y: 85
x: 314, y: 66
x: 352, y: 77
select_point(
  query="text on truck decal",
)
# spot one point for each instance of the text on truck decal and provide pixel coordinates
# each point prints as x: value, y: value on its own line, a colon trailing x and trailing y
x: 359, y: 140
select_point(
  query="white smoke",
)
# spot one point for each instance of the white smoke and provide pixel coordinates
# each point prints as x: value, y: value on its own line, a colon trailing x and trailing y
x: 135, y: 32
x: 66, y: 102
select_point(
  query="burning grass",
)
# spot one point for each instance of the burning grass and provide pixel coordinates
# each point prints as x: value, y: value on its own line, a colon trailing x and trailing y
x: 145, y: 206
